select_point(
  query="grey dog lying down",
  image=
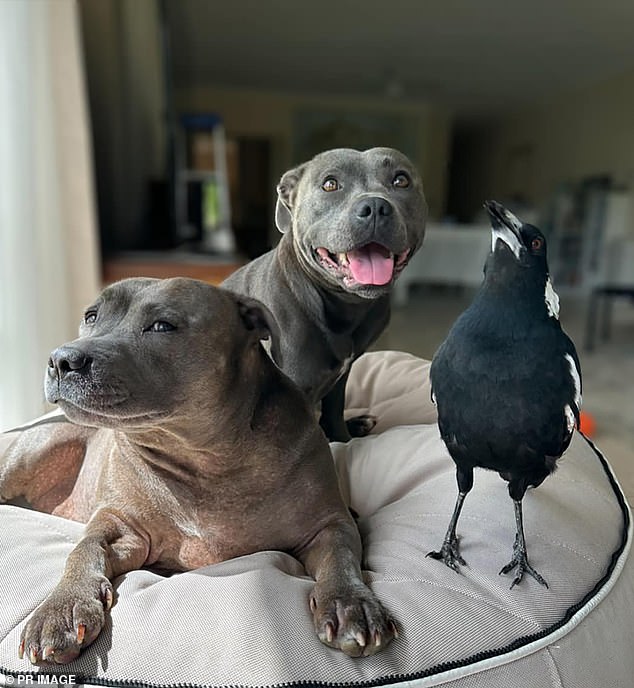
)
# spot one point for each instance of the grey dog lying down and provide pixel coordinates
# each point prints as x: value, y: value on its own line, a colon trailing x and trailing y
x: 186, y: 446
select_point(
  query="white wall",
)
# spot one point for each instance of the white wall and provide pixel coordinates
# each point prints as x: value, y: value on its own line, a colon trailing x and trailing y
x: 48, y: 259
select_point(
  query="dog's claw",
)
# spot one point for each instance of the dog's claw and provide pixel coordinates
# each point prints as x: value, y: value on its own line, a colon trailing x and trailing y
x: 108, y: 598
x: 394, y: 629
x: 21, y: 649
x: 67, y: 621
x: 354, y: 622
x: 313, y: 604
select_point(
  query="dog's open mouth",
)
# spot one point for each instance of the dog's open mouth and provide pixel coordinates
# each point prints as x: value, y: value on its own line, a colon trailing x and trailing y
x: 371, y: 264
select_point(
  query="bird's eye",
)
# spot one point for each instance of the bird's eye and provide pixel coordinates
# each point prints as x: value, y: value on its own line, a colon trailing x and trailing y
x: 160, y: 326
x: 536, y: 244
x: 401, y: 180
x: 330, y: 184
x: 90, y: 317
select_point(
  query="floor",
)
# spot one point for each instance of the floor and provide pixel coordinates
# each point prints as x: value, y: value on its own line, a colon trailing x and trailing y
x: 608, y: 371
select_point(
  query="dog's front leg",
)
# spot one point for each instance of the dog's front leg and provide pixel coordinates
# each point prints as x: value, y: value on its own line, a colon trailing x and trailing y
x: 72, y: 616
x: 346, y: 613
x: 331, y: 420
x: 41, y: 462
x: 332, y: 405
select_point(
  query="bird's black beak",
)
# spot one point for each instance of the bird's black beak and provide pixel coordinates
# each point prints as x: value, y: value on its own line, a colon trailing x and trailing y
x: 506, y: 227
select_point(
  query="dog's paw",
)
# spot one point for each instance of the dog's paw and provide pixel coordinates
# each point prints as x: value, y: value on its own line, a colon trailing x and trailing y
x: 66, y: 622
x: 360, y: 426
x: 352, y: 620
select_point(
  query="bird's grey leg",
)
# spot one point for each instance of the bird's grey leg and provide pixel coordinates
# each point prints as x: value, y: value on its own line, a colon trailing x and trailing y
x: 520, y: 558
x: 450, y: 550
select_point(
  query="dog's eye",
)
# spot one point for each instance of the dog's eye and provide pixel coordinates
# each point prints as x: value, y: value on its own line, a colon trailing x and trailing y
x: 330, y: 184
x: 160, y: 326
x: 536, y: 244
x: 90, y: 317
x: 401, y: 180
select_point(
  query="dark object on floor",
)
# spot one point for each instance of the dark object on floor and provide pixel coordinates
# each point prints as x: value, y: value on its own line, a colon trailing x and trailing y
x: 507, y: 380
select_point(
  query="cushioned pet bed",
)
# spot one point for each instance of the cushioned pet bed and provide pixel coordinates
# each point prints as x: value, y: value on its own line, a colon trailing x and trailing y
x: 246, y: 622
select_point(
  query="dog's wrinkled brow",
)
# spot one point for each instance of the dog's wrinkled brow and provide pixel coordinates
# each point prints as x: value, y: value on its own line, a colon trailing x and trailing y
x: 94, y: 304
x: 387, y: 162
x: 330, y: 171
x: 114, y: 293
x: 161, y: 311
x: 118, y: 295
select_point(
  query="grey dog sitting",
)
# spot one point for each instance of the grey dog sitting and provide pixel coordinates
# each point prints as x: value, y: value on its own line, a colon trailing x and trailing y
x: 186, y: 446
x: 350, y: 220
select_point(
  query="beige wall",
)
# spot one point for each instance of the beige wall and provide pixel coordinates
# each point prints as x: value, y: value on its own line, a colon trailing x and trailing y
x: 271, y: 115
x: 578, y: 134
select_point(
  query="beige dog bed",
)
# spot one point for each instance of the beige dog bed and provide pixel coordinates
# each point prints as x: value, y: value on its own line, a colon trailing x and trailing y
x: 246, y: 622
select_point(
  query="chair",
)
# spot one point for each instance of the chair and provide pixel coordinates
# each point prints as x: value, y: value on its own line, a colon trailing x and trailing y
x: 616, y: 281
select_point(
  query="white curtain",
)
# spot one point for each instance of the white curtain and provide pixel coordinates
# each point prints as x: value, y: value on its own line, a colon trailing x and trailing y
x: 49, y: 266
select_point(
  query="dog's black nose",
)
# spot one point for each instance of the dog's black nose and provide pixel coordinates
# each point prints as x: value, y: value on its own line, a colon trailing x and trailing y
x: 375, y: 206
x: 67, y: 359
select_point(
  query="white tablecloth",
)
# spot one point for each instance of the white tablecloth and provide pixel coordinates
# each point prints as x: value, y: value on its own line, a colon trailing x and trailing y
x: 450, y: 254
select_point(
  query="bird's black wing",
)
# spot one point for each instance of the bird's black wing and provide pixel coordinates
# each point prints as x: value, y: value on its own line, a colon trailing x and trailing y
x: 561, y: 397
x: 569, y: 349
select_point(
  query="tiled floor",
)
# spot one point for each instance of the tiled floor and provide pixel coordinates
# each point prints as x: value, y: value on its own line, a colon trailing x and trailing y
x: 608, y: 372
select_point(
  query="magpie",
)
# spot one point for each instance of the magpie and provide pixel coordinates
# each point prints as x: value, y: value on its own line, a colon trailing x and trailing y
x: 507, y: 381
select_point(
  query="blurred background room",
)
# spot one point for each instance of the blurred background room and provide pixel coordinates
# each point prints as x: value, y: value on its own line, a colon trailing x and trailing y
x: 147, y: 137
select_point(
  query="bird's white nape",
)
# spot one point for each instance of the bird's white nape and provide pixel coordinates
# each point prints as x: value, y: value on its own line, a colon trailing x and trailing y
x: 552, y: 300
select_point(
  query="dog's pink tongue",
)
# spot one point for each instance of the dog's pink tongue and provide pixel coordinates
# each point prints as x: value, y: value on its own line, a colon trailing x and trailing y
x: 371, y: 264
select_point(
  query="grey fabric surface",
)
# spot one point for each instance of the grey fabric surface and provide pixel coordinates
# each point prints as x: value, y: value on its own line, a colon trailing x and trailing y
x: 246, y: 621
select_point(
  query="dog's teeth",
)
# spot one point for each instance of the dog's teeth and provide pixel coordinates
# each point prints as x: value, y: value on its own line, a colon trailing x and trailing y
x: 342, y: 258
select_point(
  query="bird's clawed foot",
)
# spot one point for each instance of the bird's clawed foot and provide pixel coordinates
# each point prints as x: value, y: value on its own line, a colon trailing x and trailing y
x: 450, y: 553
x: 520, y: 560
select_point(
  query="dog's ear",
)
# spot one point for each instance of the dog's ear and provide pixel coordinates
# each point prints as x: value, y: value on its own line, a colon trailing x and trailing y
x: 259, y: 319
x: 286, y: 191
